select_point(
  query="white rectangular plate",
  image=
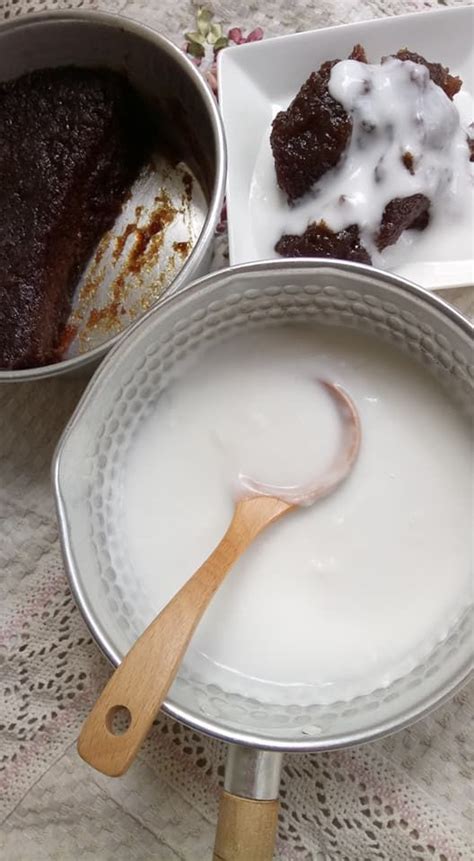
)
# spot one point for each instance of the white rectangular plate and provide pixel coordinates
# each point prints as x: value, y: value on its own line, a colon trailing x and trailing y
x: 259, y: 79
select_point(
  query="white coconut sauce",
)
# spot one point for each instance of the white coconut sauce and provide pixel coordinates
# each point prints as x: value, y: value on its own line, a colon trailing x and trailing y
x: 337, y: 599
x: 395, y: 108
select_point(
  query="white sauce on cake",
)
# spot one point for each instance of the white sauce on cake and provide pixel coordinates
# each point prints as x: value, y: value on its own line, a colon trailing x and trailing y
x: 395, y: 109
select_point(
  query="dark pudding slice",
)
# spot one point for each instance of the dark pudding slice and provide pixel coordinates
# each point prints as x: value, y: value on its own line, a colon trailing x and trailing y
x: 439, y: 74
x: 319, y: 240
x: 312, y: 137
x: 72, y: 141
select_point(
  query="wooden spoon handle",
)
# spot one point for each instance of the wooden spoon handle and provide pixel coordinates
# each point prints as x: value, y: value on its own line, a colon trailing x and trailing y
x: 142, y: 680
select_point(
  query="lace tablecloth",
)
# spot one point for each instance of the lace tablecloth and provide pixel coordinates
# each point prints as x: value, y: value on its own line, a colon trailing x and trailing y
x: 400, y: 799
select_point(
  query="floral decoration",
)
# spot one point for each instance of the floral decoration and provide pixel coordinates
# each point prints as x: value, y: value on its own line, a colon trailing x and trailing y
x: 203, y: 45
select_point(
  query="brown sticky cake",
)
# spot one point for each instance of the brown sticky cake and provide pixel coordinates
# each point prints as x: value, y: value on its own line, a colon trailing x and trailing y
x: 319, y: 240
x: 71, y: 143
x: 403, y: 213
x: 439, y: 74
x: 312, y: 136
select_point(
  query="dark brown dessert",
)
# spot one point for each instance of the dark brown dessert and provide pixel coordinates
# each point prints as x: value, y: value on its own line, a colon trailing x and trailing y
x: 319, y: 240
x: 312, y: 136
x: 470, y: 141
x: 71, y: 143
x: 439, y: 74
x: 403, y: 213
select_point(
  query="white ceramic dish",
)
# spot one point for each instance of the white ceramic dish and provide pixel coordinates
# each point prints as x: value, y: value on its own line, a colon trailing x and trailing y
x: 259, y: 79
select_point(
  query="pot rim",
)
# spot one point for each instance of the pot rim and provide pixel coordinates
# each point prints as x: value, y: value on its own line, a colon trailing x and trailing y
x: 207, y: 726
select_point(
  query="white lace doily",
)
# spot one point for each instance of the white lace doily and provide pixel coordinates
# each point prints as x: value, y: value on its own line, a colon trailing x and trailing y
x: 406, y: 798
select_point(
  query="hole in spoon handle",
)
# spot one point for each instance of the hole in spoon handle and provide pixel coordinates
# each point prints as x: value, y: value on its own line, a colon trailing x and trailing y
x: 114, y: 731
x: 141, y: 682
x: 131, y: 700
x: 118, y: 720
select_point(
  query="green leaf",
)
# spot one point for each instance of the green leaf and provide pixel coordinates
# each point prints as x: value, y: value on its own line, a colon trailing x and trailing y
x: 195, y: 38
x: 196, y: 50
x: 204, y: 18
x: 221, y: 43
x: 215, y: 33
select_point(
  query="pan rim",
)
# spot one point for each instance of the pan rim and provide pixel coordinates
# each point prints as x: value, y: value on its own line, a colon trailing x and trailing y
x: 203, y: 245
x: 214, y: 728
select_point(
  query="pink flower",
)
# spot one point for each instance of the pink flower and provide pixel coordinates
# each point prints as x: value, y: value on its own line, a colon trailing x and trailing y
x: 236, y: 36
x: 202, y: 47
x: 222, y: 226
x: 211, y: 77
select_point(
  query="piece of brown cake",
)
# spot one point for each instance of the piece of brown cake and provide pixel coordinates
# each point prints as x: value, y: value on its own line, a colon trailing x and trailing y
x: 439, y: 74
x: 403, y: 213
x: 311, y: 136
x: 470, y: 141
x: 319, y: 240
x: 71, y: 143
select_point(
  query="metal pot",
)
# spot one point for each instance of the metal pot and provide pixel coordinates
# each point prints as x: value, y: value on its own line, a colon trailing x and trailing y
x: 256, y: 295
x: 170, y: 84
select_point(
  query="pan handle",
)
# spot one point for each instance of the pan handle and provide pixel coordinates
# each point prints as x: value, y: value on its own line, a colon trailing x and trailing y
x: 248, y: 813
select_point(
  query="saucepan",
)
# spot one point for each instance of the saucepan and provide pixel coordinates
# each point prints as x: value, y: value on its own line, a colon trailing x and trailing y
x: 87, y: 481
x: 175, y: 202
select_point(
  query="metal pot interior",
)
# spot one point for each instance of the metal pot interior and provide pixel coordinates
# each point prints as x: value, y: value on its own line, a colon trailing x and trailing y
x: 122, y: 394
x: 163, y: 235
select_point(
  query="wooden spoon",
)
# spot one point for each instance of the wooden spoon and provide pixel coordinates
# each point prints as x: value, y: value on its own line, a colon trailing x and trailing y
x: 142, y: 680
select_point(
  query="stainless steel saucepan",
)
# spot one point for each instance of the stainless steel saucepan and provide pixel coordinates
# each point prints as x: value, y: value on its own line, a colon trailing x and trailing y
x: 163, y: 236
x: 87, y: 474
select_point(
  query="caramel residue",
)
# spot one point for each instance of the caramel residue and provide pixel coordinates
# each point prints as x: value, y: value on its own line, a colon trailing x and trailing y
x: 188, y: 185
x: 159, y: 219
x: 131, y: 272
x: 108, y: 317
x: 121, y: 240
x: 98, y: 316
x: 101, y: 249
x: 408, y: 161
x: 66, y: 338
x: 181, y: 247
